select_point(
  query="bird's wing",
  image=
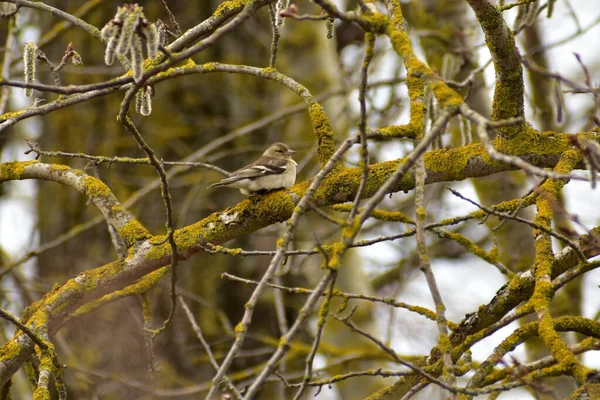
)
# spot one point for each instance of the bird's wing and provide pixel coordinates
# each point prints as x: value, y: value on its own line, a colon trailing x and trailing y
x: 262, y: 167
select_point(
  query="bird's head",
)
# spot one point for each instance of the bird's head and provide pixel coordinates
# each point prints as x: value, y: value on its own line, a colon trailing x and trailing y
x: 279, y: 150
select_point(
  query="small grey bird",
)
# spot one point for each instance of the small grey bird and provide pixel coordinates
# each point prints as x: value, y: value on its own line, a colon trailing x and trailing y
x: 274, y: 170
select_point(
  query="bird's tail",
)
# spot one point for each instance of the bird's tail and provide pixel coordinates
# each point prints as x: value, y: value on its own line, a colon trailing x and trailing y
x: 216, y: 185
x: 224, y: 182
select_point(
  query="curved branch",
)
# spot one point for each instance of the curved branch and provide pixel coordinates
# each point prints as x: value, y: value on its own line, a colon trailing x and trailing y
x: 38, y: 5
x: 322, y: 127
x: 11, y: 118
x: 320, y: 121
x: 126, y: 226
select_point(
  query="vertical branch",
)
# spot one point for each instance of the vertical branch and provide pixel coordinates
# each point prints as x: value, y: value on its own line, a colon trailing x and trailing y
x: 362, y: 125
x: 166, y: 195
x: 282, y: 322
x: 275, y: 30
x: 147, y: 316
x: 510, y: 88
x: 544, y: 257
x: 323, y: 312
x: 29, y: 59
x: 425, y: 266
x: 276, y: 24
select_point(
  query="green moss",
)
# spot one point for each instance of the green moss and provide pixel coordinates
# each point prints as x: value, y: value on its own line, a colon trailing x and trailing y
x: 509, y: 90
x: 421, y: 213
x: 146, y: 308
x: 452, y: 162
x: 336, y: 257
x: 41, y: 393
x: 94, y: 187
x: 10, y: 350
x: 142, y: 286
x: 133, y: 232
x: 382, y: 215
x: 185, y: 239
x: 13, y: 170
x: 416, y: 88
x: 60, y: 167
x: 448, y: 98
x: 408, y: 131
x: 323, y: 132
x: 40, y: 317
x: 240, y: 328
x: 159, y: 251
x: 209, y: 67
x: 10, y: 115
x: 231, y: 5
x: 529, y: 141
x: 350, y: 231
x: 378, y: 22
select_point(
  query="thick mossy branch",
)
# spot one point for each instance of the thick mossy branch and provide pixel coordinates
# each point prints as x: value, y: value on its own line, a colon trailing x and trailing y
x: 414, y: 128
x: 543, y: 292
x: 447, y: 98
x: 580, y: 325
x: 509, y: 91
x: 141, y: 286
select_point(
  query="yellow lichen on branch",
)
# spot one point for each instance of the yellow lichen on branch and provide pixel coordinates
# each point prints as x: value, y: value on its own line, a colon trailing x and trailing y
x: 543, y: 293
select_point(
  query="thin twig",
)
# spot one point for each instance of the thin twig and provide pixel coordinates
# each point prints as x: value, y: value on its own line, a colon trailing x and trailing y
x: 395, y: 356
x: 166, y: 195
x: 423, y: 311
x: 550, y: 232
x: 172, y: 18
x: 425, y: 267
x: 35, y: 148
x: 32, y: 335
x: 362, y: 124
x: 206, y: 346
x: 283, y: 346
x: 323, y: 313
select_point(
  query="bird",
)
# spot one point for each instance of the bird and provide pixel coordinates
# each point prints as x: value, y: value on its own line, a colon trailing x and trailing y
x: 274, y: 170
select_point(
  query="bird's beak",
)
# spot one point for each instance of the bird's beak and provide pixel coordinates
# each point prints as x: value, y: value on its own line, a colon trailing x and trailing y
x: 290, y: 152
